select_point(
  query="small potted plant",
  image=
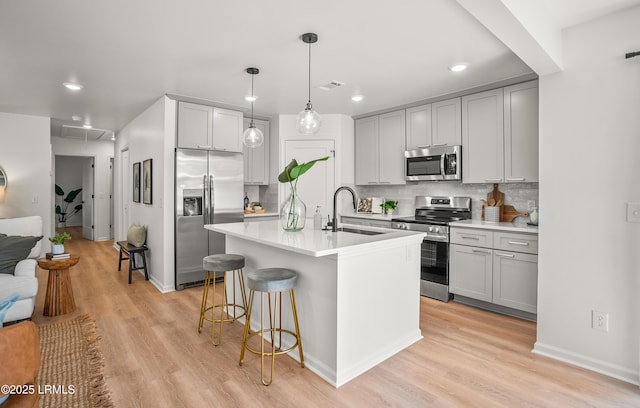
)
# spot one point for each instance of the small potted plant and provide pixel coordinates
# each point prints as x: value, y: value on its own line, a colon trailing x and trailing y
x: 389, y: 206
x: 58, y: 241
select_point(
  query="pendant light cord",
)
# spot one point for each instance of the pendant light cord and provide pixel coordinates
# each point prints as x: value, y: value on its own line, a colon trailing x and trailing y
x: 309, y: 73
x: 252, y: 97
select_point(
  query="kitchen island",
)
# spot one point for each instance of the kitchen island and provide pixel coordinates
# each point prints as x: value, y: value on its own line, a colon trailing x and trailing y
x: 357, y: 296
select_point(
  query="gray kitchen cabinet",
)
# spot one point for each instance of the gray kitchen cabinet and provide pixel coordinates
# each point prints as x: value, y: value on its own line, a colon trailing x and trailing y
x: 445, y: 123
x: 498, y: 267
x: 391, y: 147
x: 208, y: 127
x: 256, y: 159
x: 366, y: 147
x: 483, y: 137
x: 471, y: 272
x: 227, y: 130
x: 195, y: 125
x: 500, y: 135
x: 418, y: 127
x: 515, y: 280
x: 379, y: 147
x: 521, y: 132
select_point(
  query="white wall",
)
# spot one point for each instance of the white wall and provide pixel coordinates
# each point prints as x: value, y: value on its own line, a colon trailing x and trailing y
x: 25, y: 156
x: 68, y: 175
x: 102, y: 151
x: 151, y: 135
x: 339, y: 128
x: 589, y: 255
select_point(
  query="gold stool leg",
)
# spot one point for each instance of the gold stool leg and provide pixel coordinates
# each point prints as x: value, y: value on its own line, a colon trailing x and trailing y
x: 203, y: 306
x: 272, y: 324
x: 213, y: 309
x: 295, y: 321
x: 247, y: 323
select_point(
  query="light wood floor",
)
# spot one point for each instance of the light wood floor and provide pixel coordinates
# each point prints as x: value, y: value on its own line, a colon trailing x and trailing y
x: 154, y: 356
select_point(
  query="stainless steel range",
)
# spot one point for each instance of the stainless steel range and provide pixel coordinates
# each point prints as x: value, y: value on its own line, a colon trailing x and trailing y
x: 433, y: 215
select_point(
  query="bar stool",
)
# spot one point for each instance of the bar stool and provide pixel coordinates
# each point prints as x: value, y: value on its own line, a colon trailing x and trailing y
x: 222, y: 263
x: 271, y: 280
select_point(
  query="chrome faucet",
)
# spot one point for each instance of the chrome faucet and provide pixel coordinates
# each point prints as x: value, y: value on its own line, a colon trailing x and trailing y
x: 334, y: 224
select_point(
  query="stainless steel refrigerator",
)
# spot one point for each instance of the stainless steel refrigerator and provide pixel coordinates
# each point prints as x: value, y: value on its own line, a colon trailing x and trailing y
x: 209, y: 190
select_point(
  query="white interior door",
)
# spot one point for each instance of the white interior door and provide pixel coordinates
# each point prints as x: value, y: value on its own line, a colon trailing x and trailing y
x: 87, y: 198
x: 125, y: 193
x: 315, y: 187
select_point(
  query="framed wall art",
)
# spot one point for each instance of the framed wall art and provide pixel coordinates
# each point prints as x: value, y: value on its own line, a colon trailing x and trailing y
x: 136, y: 182
x: 146, y: 181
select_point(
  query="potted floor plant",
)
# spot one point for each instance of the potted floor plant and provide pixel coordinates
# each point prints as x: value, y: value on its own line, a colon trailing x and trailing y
x: 62, y: 209
x: 58, y: 241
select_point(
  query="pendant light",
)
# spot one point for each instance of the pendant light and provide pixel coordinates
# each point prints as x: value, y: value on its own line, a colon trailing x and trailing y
x: 253, y: 136
x: 308, y: 121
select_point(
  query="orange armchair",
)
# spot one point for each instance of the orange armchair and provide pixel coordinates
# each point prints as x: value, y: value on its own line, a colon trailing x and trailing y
x: 20, y: 361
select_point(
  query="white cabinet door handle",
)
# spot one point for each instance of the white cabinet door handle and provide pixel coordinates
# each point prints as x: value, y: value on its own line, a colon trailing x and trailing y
x: 219, y: 148
x: 204, y: 147
x: 518, y: 243
x: 469, y: 237
x: 505, y: 255
x: 424, y: 146
x: 515, y: 178
x: 479, y: 251
x: 495, y: 180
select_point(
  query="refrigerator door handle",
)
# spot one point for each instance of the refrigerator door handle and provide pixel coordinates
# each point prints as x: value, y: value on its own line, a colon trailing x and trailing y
x: 204, y: 197
x: 211, y: 197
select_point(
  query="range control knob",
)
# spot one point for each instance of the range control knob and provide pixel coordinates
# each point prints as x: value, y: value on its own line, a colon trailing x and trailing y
x: 430, y: 229
x: 436, y: 230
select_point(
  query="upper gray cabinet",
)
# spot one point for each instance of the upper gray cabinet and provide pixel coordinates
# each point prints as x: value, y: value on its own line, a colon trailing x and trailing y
x: 208, y: 127
x: 445, y: 127
x: 379, y: 146
x: 256, y: 160
x: 436, y: 124
x: 521, y: 132
x: 500, y: 135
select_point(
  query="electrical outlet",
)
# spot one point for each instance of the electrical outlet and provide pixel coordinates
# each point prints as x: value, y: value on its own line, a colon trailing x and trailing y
x: 599, y: 320
x: 531, y: 204
x: 633, y: 212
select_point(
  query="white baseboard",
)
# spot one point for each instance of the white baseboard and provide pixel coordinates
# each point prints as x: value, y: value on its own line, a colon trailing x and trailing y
x: 161, y: 288
x: 599, y: 366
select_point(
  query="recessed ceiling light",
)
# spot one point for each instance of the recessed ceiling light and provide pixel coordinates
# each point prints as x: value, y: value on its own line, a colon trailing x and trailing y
x: 357, y: 98
x: 87, y: 126
x: 76, y: 118
x: 250, y: 98
x: 458, y: 67
x: 73, y: 86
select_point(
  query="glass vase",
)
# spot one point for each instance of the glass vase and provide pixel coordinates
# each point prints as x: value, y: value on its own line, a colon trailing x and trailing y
x: 294, y: 212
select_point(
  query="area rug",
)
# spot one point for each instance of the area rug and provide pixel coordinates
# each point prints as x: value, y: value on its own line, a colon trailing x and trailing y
x: 71, y: 369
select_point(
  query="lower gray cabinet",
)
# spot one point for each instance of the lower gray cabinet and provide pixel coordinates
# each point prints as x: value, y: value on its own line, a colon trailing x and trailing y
x: 484, y: 271
x: 470, y: 272
x: 365, y: 222
x: 515, y: 280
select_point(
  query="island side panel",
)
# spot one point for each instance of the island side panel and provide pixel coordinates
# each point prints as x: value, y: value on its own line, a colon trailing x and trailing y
x: 316, y: 301
x: 378, y: 305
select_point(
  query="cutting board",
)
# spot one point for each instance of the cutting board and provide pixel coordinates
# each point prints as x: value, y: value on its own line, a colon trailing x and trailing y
x: 496, y: 194
x: 509, y: 213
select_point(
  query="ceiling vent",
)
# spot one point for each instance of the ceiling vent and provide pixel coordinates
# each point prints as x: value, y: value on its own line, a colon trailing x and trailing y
x: 331, y: 85
x: 80, y: 133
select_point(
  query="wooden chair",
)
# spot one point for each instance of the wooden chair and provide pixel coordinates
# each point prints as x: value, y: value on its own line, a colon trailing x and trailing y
x: 128, y: 251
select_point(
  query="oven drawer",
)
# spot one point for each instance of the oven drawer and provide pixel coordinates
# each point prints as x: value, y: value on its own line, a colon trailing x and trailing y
x: 509, y: 241
x: 472, y: 237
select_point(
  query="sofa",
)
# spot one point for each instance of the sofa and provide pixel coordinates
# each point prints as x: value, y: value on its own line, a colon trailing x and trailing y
x: 24, y: 279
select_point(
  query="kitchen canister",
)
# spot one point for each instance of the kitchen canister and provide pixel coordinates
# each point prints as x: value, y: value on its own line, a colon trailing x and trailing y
x: 492, y: 213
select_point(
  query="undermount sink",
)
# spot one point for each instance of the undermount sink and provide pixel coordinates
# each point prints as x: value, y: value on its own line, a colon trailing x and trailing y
x: 359, y: 231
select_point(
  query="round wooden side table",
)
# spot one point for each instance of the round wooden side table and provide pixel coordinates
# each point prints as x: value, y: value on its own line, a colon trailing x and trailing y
x: 59, y: 299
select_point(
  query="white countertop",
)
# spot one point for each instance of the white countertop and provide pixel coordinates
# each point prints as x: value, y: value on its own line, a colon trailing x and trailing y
x: 496, y: 226
x: 309, y: 241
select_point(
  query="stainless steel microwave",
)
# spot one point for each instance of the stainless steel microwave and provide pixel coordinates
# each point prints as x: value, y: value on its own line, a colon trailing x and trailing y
x: 435, y: 163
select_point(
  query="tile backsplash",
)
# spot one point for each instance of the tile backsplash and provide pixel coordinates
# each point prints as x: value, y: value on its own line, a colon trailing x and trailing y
x: 515, y: 194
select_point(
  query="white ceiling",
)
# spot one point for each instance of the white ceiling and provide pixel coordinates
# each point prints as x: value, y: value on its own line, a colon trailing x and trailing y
x: 129, y: 53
